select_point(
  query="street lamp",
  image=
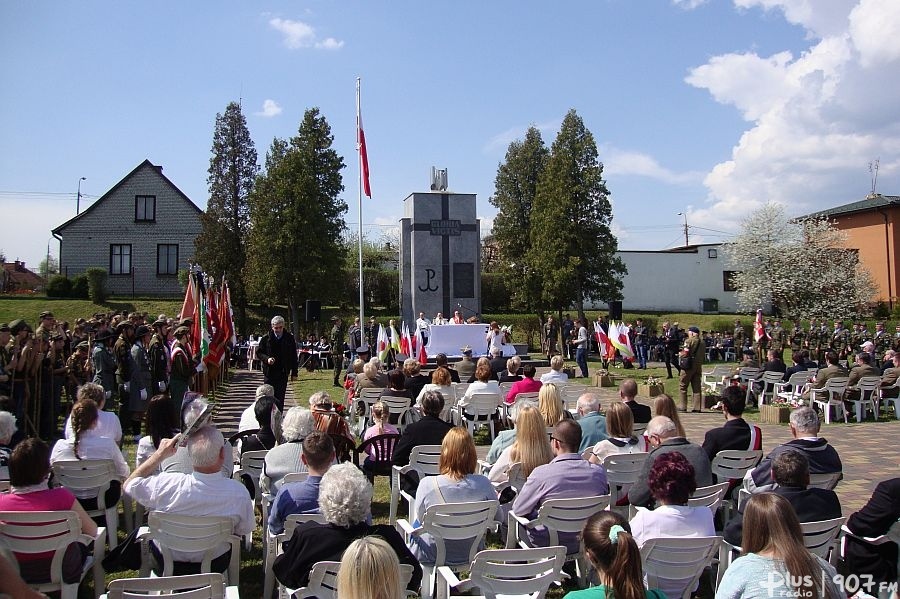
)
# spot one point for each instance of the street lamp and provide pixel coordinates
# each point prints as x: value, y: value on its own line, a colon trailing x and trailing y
x: 78, y: 199
x: 686, y: 242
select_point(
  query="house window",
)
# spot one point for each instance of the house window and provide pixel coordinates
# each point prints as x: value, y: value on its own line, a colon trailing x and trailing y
x: 120, y: 259
x: 145, y: 208
x: 167, y: 259
x: 712, y: 253
x: 728, y: 280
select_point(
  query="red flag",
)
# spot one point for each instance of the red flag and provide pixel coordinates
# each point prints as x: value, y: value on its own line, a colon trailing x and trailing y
x: 422, y: 354
x: 217, y: 343
x: 187, y: 309
x: 361, y: 147
x: 759, y: 328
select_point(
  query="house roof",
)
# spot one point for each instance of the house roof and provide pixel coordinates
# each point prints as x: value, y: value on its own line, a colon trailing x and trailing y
x: 115, y: 187
x: 869, y: 204
x: 20, y: 277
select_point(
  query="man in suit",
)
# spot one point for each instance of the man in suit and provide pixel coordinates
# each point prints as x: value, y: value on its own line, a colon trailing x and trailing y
x: 736, y: 433
x: 822, y: 457
x: 628, y: 391
x: 798, y: 365
x: 790, y: 470
x: 664, y: 438
x: 875, y: 518
x: 774, y: 362
x: 833, y: 369
x: 277, y: 352
x: 890, y: 376
x: 498, y: 363
x: 441, y: 360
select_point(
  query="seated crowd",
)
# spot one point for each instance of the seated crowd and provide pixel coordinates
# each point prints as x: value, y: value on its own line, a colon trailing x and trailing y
x: 547, y: 453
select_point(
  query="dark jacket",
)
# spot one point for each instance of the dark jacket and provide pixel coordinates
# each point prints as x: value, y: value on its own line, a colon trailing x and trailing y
x: 822, y: 458
x: 640, y: 491
x: 734, y: 434
x: 313, y: 542
x: 639, y: 411
x: 284, y: 351
x: 811, y: 505
x: 874, y: 519
x: 427, y: 431
x: 414, y: 384
x: 498, y: 365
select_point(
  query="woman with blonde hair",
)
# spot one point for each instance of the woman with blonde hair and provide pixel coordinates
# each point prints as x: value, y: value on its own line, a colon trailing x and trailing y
x: 774, y: 562
x: 369, y: 570
x: 550, y: 404
x: 621, y: 437
x: 665, y: 406
x: 530, y: 449
x: 457, y: 483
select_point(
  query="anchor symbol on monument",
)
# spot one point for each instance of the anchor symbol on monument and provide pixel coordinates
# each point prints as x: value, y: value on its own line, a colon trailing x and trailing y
x: 429, y: 274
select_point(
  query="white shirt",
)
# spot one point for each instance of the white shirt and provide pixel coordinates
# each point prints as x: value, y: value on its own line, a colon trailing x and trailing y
x: 422, y: 324
x: 672, y: 521
x: 248, y: 420
x: 480, y: 387
x: 91, y: 447
x: 554, y: 376
x: 108, y: 425
x: 196, y: 494
x: 606, y: 448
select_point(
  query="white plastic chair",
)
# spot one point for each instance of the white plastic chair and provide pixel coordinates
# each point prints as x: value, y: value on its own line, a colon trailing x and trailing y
x: 468, y: 521
x: 252, y: 464
x: 714, y: 379
x: 622, y: 471
x: 770, y: 380
x: 674, y: 564
x: 710, y: 496
x: 570, y: 395
x: 204, y: 534
x: 832, y: 396
x: 748, y: 375
x: 640, y: 427
x: 482, y: 408
x: 734, y: 464
x: 41, y: 532
x: 274, y: 543
x: 91, y: 478
x: 558, y: 516
x: 193, y: 586
x: 269, y: 498
x: 368, y: 396
x: 507, y: 572
x: 819, y: 537
x: 424, y: 461
x: 892, y: 400
x: 869, y: 388
x: 796, y: 382
x: 399, y: 407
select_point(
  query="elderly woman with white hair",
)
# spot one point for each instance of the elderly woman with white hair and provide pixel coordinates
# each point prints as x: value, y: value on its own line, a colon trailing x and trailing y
x: 285, y: 458
x: 7, y: 430
x: 345, y: 500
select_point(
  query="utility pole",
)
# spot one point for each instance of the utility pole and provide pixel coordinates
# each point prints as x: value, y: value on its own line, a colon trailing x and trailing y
x: 78, y: 199
x: 686, y: 242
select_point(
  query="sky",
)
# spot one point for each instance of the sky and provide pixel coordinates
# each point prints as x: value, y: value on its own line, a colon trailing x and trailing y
x: 708, y: 108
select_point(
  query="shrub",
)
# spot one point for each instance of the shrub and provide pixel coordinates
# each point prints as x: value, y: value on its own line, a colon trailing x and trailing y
x: 495, y: 295
x: 80, y: 287
x: 59, y: 286
x: 96, y: 284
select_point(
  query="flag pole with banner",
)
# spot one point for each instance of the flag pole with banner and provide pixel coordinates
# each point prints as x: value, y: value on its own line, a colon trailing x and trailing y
x: 363, y: 186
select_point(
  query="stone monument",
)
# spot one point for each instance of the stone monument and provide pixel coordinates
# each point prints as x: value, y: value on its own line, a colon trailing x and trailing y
x: 440, y: 254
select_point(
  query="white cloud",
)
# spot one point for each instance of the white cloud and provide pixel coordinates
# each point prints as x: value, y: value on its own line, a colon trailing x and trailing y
x: 618, y: 162
x: 503, y: 139
x: 816, y: 119
x: 270, y: 108
x: 298, y: 34
x: 689, y: 4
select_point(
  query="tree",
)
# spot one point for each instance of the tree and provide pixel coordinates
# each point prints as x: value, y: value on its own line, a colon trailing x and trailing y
x: 48, y: 267
x: 515, y: 187
x: 572, y: 249
x: 800, y: 267
x: 294, y: 250
x: 221, y: 245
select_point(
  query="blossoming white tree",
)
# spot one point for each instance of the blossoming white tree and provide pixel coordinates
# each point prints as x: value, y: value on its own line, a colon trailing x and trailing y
x: 802, y: 267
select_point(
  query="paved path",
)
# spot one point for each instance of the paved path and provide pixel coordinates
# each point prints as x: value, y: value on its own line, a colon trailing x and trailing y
x: 869, y: 451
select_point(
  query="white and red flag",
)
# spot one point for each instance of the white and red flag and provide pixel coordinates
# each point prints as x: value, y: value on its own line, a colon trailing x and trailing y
x: 361, y: 147
x: 759, y: 328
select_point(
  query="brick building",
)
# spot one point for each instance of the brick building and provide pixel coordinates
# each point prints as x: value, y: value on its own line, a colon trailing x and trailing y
x: 872, y: 227
x: 141, y: 231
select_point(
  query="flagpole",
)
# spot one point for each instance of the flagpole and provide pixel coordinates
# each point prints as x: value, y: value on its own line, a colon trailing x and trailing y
x: 362, y: 318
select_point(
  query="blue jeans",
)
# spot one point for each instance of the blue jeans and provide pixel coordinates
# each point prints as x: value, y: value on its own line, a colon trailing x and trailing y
x: 581, y: 360
x: 642, y: 355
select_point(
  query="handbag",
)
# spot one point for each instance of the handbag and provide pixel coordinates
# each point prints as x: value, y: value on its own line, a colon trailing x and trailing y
x: 686, y: 362
x: 126, y: 555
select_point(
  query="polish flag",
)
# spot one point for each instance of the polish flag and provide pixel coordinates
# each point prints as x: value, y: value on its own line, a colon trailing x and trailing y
x: 422, y: 355
x: 361, y: 147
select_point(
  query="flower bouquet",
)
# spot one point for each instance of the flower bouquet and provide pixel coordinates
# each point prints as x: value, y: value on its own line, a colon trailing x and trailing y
x: 652, y: 387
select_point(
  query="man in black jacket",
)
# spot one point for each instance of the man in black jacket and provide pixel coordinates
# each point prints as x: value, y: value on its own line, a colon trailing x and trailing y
x: 735, y: 433
x: 791, y: 471
x: 277, y: 352
x: 873, y: 520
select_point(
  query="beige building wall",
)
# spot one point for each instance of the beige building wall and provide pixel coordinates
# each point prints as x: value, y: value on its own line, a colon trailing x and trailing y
x: 875, y: 235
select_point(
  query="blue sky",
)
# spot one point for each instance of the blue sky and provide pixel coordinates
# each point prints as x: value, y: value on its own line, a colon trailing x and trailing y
x: 705, y: 107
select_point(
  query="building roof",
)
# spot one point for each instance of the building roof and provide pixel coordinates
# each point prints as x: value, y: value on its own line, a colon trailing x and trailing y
x: 115, y: 187
x: 869, y: 204
x: 19, y: 277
